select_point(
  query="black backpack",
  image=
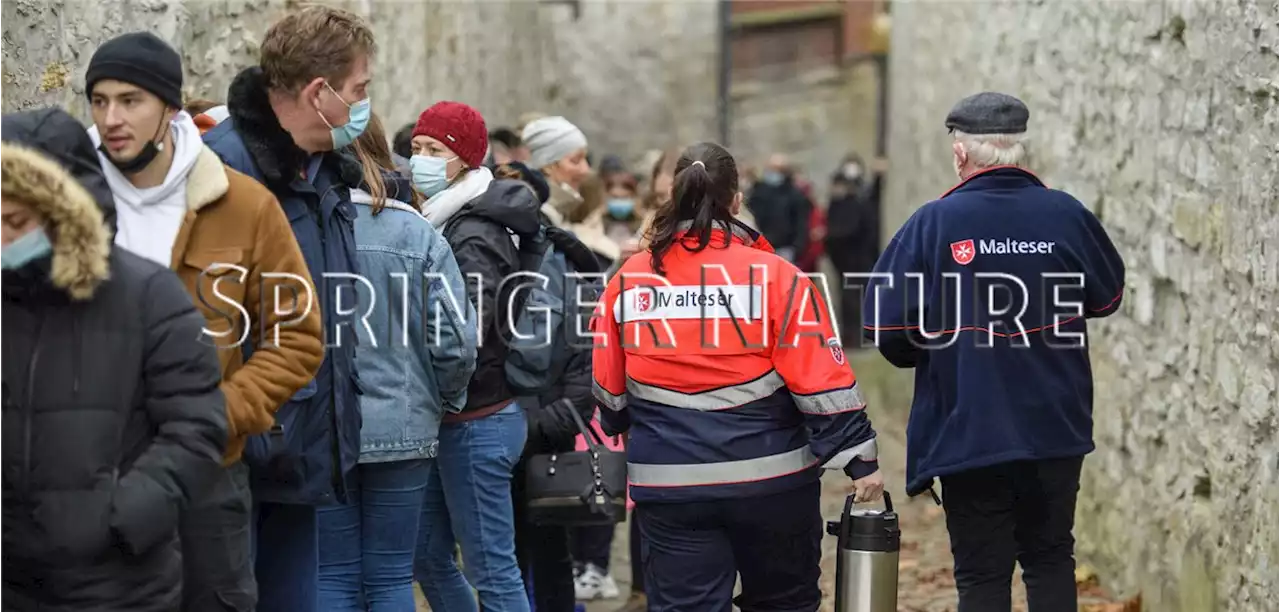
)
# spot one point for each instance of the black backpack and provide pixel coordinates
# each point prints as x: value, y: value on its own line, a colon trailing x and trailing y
x: 562, y: 281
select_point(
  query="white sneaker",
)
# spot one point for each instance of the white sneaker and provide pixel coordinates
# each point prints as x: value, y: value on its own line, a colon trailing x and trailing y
x: 594, y: 583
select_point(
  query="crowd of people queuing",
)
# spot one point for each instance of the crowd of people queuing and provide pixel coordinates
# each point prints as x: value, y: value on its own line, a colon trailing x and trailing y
x: 259, y: 353
x: 195, y: 440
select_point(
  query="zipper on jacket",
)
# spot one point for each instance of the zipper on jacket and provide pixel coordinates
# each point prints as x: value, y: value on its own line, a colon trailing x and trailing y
x: 75, y: 359
x: 28, y: 410
x: 335, y: 442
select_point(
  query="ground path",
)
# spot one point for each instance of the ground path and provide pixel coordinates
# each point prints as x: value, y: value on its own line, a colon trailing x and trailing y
x: 925, y: 581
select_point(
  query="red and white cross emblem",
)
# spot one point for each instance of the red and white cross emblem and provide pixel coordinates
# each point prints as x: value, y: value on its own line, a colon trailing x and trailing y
x: 643, y: 301
x: 962, y: 252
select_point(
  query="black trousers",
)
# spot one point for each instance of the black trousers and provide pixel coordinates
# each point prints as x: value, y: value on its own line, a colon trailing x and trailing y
x: 637, y: 568
x: 217, y: 560
x: 544, y: 552
x: 593, y: 544
x: 1019, y: 512
x: 693, y: 552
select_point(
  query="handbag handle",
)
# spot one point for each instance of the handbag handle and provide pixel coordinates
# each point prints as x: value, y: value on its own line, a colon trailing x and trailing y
x: 593, y: 440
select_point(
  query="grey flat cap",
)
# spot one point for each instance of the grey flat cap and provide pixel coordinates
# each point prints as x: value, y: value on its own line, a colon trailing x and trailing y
x: 989, y: 113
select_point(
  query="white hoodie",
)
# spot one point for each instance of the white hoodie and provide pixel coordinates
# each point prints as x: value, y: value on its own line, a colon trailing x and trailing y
x: 148, y: 220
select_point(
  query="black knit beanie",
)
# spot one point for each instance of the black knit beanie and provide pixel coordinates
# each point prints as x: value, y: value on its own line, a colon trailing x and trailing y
x: 142, y: 59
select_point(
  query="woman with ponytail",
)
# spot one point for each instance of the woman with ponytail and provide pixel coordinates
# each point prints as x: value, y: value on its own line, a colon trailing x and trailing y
x: 415, y: 355
x: 721, y: 361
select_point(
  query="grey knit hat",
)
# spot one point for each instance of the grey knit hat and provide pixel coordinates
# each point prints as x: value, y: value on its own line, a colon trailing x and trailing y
x: 551, y: 139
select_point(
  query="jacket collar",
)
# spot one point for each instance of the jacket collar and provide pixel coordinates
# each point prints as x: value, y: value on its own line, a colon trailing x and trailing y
x: 272, y: 148
x: 553, y: 214
x: 207, y: 182
x: 363, y: 198
x: 737, y: 232
x: 995, y: 177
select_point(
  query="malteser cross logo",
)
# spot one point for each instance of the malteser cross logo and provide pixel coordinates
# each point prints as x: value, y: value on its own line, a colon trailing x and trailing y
x: 962, y: 252
x: 643, y: 301
x: 837, y: 353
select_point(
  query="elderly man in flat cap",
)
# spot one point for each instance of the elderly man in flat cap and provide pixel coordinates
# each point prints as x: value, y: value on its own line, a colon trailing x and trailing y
x: 986, y: 292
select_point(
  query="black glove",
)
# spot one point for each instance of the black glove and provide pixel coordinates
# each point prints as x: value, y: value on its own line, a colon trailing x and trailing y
x: 561, y: 428
x: 551, y: 427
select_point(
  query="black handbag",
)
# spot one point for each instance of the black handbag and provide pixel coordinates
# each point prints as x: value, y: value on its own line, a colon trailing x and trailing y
x: 579, y: 487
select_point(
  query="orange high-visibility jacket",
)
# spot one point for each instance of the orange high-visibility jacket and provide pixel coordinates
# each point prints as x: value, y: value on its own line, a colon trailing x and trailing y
x: 728, y: 374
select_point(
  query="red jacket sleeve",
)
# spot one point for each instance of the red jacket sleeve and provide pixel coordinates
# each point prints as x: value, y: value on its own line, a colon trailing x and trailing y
x: 813, y: 364
x: 608, y: 364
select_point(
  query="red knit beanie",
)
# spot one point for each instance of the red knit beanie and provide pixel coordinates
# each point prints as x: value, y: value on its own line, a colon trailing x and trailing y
x: 459, y: 127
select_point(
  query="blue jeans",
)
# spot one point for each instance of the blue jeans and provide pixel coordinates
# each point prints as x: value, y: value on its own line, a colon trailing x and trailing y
x: 468, y: 501
x: 286, y: 556
x: 367, y: 545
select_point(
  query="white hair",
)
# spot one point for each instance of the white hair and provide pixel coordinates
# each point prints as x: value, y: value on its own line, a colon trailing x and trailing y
x: 987, y: 150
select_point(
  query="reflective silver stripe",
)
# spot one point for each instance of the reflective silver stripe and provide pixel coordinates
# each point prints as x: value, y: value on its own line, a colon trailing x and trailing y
x: 609, y: 400
x: 728, y: 472
x: 831, y: 402
x: 866, y: 451
x: 714, y: 399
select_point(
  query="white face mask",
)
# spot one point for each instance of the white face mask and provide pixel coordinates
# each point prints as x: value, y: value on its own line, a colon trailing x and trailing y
x: 852, y: 172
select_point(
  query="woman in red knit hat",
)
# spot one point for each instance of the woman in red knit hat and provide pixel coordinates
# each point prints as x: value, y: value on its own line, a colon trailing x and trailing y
x: 468, y: 497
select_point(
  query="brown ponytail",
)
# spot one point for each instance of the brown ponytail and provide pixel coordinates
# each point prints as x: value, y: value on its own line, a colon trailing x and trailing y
x: 706, y: 182
x: 375, y: 158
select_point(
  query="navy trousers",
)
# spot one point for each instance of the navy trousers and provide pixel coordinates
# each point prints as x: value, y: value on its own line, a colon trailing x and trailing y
x: 692, y: 553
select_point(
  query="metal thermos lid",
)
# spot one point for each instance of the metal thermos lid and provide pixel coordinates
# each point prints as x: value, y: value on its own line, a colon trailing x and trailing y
x: 868, y: 530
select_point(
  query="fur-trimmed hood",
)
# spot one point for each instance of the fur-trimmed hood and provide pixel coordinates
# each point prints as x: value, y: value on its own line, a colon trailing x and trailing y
x: 81, y: 242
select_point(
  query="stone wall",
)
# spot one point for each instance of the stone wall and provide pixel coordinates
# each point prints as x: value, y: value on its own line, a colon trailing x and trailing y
x: 1161, y: 116
x: 633, y: 75
x: 816, y: 118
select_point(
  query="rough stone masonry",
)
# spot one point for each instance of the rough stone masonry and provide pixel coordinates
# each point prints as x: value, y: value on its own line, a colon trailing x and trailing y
x: 633, y: 75
x: 1159, y: 115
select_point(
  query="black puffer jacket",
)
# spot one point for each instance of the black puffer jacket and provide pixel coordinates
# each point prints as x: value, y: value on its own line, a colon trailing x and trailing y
x: 112, y: 416
x: 782, y: 214
x: 480, y: 235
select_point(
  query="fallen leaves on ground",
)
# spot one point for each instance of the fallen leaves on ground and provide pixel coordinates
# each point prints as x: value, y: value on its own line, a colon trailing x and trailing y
x: 1133, y: 604
x: 1086, y: 575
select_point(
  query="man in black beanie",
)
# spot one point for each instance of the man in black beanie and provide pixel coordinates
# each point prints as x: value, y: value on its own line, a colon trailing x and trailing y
x: 178, y: 205
x: 125, y: 68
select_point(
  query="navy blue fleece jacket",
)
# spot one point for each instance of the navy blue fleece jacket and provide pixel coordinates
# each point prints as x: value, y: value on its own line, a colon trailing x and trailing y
x: 986, y: 292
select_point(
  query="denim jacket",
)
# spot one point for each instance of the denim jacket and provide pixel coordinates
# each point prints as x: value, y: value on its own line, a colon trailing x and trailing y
x: 416, y: 352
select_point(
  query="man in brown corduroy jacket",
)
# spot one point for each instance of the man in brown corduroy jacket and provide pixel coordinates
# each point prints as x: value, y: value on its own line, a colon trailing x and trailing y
x: 229, y: 241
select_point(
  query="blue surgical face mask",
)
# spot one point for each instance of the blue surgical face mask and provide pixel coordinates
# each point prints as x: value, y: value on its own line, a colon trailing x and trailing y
x: 30, y: 247
x: 430, y: 174
x: 773, y: 177
x: 620, y: 208
x: 357, y: 120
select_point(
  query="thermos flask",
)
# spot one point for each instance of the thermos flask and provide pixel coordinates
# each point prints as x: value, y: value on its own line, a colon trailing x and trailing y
x: 867, y: 558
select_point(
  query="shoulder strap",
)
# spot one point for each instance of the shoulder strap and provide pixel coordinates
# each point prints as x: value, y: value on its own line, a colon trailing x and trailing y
x: 532, y: 253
